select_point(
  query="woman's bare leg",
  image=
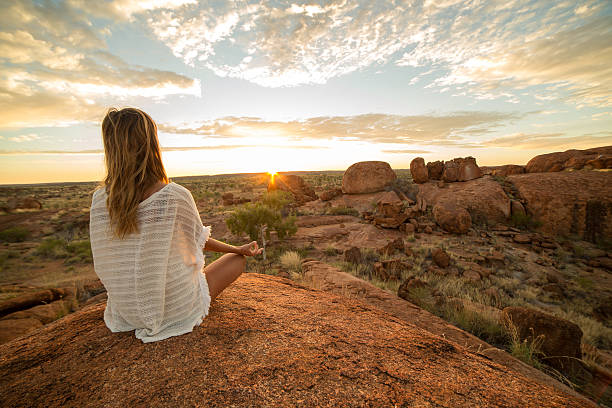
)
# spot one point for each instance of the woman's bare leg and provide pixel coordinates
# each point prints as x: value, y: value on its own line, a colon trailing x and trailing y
x: 222, y: 272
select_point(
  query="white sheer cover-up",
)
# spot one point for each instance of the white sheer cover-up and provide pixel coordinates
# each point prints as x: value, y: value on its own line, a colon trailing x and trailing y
x: 154, y: 277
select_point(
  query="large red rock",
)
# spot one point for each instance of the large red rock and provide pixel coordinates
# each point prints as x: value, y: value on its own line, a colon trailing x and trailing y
x: 503, y: 171
x: 301, y: 190
x: 389, y: 205
x: 329, y: 194
x: 461, y: 169
x: 27, y: 301
x: 326, y: 277
x: 570, y: 159
x: 560, y: 338
x: 13, y: 328
x: 266, y: 342
x: 451, y: 172
x: 418, y: 170
x: 483, y: 197
x: 568, y: 203
x: 367, y: 177
x: 435, y: 169
x: 452, y: 218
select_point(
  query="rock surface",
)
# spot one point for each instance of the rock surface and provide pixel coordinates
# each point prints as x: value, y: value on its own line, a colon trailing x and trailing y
x: 598, y: 157
x: 566, y: 203
x: 367, y: 177
x: 483, y: 197
x: 452, y: 218
x: 560, y: 338
x: 419, y: 171
x: 435, y: 169
x: 325, y: 277
x: 301, y: 190
x: 267, y: 341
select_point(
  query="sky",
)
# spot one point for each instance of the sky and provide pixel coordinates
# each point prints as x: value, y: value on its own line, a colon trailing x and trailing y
x: 250, y: 86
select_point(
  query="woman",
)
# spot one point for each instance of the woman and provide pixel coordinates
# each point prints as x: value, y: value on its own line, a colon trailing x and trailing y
x: 147, y: 238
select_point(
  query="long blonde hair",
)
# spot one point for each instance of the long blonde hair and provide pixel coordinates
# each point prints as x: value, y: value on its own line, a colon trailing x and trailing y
x: 133, y: 163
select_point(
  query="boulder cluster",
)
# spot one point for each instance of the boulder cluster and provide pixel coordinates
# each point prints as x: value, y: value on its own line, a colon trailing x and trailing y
x: 367, y: 177
x: 458, y: 169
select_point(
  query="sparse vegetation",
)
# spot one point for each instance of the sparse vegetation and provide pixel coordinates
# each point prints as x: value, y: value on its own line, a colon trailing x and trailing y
x: 524, y: 222
x: 14, y: 234
x: 342, y: 211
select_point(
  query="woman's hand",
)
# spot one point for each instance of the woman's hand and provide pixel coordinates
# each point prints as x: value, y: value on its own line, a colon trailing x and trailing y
x: 250, y: 249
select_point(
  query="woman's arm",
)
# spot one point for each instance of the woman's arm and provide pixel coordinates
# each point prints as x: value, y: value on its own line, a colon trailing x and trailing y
x: 250, y: 249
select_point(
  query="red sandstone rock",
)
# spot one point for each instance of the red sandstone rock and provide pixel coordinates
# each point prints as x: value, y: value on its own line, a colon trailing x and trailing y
x: 561, y: 338
x: 435, y: 170
x: 302, y: 191
x: 451, y: 172
x: 578, y: 202
x: 353, y: 255
x: 27, y: 301
x: 13, y: 328
x: 570, y: 159
x: 419, y: 171
x: 452, y: 218
x: 329, y: 194
x: 517, y: 208
x: 389, y: 205
x: 484, y: 198
x: 468, y: 169
x: 503, y: 171
x: 367, y: 177
x: 440, y: 257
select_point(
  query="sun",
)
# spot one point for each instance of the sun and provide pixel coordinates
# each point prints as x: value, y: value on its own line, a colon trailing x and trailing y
x: 272, y: 173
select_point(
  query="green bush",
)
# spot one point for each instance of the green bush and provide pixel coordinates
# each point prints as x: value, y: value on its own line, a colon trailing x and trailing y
x: 72, y: 252
x: 277, y: 199
x: 15, y: 234
x: 251, y: 218
x: 342, y: 211
x: 524, y: 222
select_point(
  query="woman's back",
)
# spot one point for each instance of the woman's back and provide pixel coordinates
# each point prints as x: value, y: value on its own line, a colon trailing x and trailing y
x: 153, y: 277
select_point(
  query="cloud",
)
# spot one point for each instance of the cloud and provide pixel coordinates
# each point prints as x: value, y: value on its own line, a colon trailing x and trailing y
x: 489, y: 49
x: 451, y: 129
x: 288, y: 44
x: 406, y: 151
x: 56, y: 68
x: 24, y: 138
x: 551, y: 141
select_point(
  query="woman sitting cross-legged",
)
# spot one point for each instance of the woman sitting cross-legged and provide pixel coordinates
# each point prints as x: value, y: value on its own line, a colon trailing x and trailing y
x: 147, y: 238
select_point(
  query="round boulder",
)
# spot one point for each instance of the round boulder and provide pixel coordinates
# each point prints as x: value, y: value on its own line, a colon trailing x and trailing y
x: 419, y: 171
x: 367, y: 177
x: 452, y: 218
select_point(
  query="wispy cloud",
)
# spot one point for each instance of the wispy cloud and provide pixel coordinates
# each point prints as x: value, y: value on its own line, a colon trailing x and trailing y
x: 490, y: 49
x: 552, y: 141
x: 56, y: 67
x: 451, y: 129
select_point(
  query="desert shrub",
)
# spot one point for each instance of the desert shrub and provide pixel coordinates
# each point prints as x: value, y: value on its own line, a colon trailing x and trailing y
x: 292, y: 261
x: 331, y: 251
x: 342, y: 211
x: 524, y: 222
x: 277, y: 199
x: 251, y: 218
x: 527, y: 350
x: 52, y: 248
x: 73, y: 252
x: 15, y: 234
x: 480, y: 325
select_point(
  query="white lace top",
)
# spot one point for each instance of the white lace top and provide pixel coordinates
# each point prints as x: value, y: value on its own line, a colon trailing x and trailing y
x: 154, y: 278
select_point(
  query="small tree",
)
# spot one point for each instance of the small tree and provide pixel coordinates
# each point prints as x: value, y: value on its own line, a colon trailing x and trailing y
x: 258, y: 219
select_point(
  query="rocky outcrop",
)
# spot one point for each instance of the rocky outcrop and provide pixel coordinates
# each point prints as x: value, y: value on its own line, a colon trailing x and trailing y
x: 325, y: 277
x: 452, y: 218
x: 419, y: 171
x: 435, y: 169
x: 483, y: 198
x: 266, y: 341
x: 560, y: 339
x: 367, y: 177
x: 302, y: 191
x: 596, y: 158
x: 566, y: 203
x: 503, y: 171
